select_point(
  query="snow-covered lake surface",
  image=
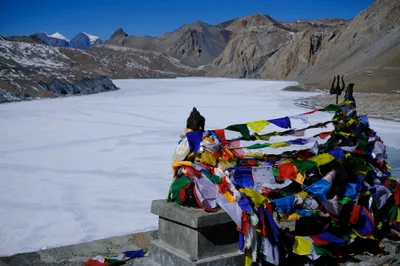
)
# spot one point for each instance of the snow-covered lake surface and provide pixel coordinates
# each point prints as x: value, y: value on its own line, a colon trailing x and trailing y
x: 83, y: 168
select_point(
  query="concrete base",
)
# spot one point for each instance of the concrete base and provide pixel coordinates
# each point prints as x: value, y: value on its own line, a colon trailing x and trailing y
x: 191, y: 236
x: 202, y: 242
x: 165, y: 255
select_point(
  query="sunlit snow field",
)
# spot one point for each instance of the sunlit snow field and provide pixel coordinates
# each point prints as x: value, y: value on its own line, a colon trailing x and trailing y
x: 82, y: 168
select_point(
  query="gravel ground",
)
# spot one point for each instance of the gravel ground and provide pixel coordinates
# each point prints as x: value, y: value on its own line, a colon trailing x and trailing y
x: 376, y: 105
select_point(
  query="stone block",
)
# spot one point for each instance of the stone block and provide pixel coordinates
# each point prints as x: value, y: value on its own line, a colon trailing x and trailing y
x: 392, y: 247
x: 165, y: 255
x: 191, y: 236
x: 201, y: 242
x: 192, y: 217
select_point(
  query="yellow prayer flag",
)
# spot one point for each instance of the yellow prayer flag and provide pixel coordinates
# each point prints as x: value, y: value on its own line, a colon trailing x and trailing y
x: 257, y: 155
x: 351, y: 121
x: 344, y: 134
x: 302, y: 246
x: 345, y: 103
x: 182, y: 163
x: 293, y: 216
x: 258, y: 125
x: 398, y: 215
x: 248, y: 259
x: 222, y: 160
x: 300, y: 178
x: 355, y: 234
x: 279, y: 144
x: 257, y: 198
x: 303, y: 194
x: 208, y: 158
x: 322, y: 159
x: 228, y: 196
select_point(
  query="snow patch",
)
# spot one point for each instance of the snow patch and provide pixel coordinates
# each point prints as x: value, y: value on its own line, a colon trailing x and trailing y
x: 45, y: 56
x: 92, y: 38
x: 58, y: 35
x: 132, y: 64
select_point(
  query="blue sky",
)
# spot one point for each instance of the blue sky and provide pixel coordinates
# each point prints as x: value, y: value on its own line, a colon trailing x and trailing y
x: 154, y: 17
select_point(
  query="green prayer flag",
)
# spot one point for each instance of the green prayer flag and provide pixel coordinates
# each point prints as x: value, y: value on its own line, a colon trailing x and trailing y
x: 362, y: 144
x: 275, y: 171
x: 393, y: 213
x: 332, y: 107
x: 176, y: 187
x: 258, y: 146
x: 357, y: 165
x: 213, y: 178
x: 345, y: 200
x: 323, y: 251
x: 115, y: 262
x: 241, y: 128
x: 304, y: 165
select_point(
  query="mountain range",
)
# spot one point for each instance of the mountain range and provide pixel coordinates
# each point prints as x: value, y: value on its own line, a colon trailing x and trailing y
x: 82, y: 40
x: 365, y: 50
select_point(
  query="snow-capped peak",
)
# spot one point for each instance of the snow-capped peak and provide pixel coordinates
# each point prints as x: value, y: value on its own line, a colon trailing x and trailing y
x: 92, y: 38
x: 58, y: 35
x: 55, y: 39
x: 84, y: 40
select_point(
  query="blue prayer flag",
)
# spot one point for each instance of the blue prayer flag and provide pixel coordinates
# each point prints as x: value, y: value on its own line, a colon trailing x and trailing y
x: 243, y: 177
x: 194, y: 139
x: 283, y: 122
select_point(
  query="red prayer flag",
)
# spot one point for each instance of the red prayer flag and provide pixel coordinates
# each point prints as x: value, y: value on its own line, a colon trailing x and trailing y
x: 234, y: 146
x: 396, y: 194
x: 287, y: 171
x: 324, y: 134
x: 264, y: 224
x: 370, y: 217
x: 355, y: 213
x: 311, y: 112
x: 221, y: 136
x: 319, y: 241
x: 245, y: 224
x: 91, y: 262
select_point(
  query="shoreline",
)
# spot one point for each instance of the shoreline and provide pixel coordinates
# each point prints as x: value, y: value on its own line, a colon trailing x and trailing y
x: 78, y: 254
x: 375, y: 105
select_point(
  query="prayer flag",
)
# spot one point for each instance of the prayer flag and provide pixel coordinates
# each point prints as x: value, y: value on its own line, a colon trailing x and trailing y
x: 258, y: 125
x: 283, y: 122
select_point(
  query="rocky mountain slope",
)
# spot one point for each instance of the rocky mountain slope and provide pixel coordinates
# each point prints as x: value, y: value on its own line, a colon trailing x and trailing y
x: 302, y: 24
x: 35, y: 70
x: 193, y: 44
x: 255, y: 39
x: 29, y: 70
x: 261, y: 47
x: 365, y: 50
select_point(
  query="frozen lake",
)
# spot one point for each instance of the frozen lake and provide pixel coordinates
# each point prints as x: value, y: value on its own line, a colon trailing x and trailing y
x: 82, y: 168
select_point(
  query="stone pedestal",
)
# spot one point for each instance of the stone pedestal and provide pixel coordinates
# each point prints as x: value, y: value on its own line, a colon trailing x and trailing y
x: 191, y: 236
